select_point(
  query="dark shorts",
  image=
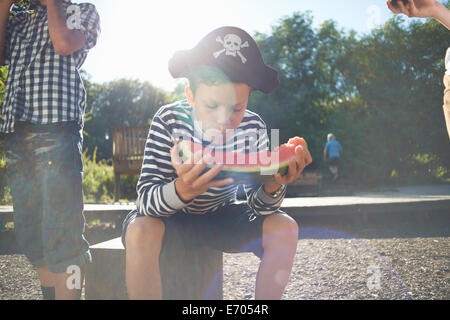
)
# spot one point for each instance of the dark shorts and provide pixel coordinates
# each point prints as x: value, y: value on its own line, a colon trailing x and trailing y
x: 232, y: 229
x: 333, y: 162
x: 44, y: 169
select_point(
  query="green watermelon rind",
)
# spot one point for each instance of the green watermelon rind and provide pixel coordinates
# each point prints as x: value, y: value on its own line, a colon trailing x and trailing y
x: 249, y: 177
x: 241, y: 174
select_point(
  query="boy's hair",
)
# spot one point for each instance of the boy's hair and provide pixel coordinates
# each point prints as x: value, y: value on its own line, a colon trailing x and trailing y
x: 208, y: 76
x: 331, y: 137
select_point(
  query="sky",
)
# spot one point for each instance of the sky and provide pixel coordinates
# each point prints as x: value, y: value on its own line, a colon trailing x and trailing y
x: 140, y: 36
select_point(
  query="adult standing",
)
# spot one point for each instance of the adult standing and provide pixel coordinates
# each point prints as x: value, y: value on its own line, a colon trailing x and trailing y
x: 331, y: 154
x: 41, y: 122
x: 436, y: 10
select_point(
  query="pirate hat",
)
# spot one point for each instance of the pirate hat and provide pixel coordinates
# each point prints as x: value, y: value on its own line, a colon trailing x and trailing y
x: 232, y: 51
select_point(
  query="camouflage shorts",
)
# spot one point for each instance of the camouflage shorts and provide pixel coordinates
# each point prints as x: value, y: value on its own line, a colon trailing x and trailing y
x: 44, y: 170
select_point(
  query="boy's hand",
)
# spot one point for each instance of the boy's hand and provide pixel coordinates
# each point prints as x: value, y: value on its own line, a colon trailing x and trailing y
x: 415, y: 8
x: 302, y: 159
x: 190, y: 183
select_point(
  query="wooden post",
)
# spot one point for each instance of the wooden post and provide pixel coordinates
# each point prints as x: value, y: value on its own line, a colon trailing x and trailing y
x: 116, y: 186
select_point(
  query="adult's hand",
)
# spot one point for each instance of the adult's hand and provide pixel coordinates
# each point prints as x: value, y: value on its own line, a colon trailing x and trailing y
x: 414, y: 8
x: 422, y: 9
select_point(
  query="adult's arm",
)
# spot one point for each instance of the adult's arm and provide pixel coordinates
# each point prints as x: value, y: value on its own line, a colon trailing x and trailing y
x: 442, y: 14
x: 5, y: 6
x: 423, y: 9
x: 65, y: 40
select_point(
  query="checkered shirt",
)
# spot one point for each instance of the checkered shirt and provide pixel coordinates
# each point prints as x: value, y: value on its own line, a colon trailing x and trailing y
x: 44, y: 87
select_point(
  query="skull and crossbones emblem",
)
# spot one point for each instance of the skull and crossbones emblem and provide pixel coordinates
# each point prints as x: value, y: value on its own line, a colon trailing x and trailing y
x: 232, y: 45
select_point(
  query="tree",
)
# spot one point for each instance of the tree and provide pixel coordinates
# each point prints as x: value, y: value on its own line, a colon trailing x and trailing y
x: 116, y: 104
x: 397, y: 114
x: 380, y: 93
x: 309, y: 79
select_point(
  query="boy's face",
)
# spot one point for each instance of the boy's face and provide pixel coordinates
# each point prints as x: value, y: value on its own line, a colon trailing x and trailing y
x: 219, y: 107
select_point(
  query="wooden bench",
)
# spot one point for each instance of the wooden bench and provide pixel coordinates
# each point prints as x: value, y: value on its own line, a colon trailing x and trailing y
x: 128, y: 152
x: 188, y: 272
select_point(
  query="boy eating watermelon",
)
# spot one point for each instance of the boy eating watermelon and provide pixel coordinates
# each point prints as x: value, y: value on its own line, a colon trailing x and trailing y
x: 223, y: 69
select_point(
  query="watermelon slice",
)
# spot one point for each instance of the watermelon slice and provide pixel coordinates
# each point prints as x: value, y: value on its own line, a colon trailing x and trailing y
x: 298, y: 141
x: 253, y: 167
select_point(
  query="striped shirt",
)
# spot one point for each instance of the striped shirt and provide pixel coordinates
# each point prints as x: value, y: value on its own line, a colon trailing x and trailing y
x: 156, y: 186
x: 44, y: 87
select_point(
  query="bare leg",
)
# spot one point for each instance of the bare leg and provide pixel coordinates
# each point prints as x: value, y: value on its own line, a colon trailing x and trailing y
x: 334, y: 172
x: 280, y: 236
x: 59, y: 282
x: 63, y: 290
x: 46, y: 277
x: 143, y: 245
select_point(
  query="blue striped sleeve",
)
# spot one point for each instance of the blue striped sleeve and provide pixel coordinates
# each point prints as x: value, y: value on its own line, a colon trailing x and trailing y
x: 156, y: 186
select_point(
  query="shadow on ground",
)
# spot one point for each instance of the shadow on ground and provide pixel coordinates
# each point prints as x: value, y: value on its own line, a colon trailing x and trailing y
x: 376, y: 226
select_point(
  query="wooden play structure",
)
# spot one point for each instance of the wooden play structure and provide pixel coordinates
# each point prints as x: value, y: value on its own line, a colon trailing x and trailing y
x: 128, y: 152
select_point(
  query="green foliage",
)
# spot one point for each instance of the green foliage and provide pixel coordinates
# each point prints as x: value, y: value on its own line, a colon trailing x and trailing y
x: 120, y: 103
x: 309, y: 81
x: 128, y: 188
x: 397, y: 71
x: 178, y: 93
x: 98, y: 180
x: 379, y: 93
x: 5, y: 197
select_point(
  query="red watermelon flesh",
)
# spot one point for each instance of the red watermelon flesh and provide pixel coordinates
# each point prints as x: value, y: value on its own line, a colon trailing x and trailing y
x: 244, y: 168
